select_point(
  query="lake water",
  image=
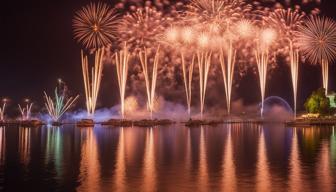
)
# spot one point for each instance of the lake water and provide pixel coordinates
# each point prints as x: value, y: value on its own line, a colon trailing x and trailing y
x: 242, y: 157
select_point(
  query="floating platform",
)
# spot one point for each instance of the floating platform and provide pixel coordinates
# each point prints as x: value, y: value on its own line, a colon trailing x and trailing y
x: 118, y: 123
x: 152, y: 122
x: 85, y: 123
x: 312, y: 122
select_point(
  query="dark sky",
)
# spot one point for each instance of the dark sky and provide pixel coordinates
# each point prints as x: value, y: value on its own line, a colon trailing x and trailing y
x: 37, y: 47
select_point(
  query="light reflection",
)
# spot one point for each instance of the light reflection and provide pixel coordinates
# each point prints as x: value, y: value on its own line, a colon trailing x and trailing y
x: 229, y: 172
x: 120, y: 173
x: 263, y: 175
x: 323, y: 169
x: 333, y: 148
x: 203, y: 169
x: 24, y: 144
x: 2, y: 144
x: 89, y: 164
x: 149, y: 169
x: 295, y: 176
x: 54, y: 152
x: 188, y: 159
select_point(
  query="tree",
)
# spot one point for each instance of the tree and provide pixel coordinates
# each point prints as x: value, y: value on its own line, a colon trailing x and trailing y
x: 318, y: 102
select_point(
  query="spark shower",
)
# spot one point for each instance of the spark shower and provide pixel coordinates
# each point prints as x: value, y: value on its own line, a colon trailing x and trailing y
x: 198, y: 35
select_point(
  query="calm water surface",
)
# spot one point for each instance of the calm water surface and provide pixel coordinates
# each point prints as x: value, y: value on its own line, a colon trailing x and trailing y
x: 175, y: 158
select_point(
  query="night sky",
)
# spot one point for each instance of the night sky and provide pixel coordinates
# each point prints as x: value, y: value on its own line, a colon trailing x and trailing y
x: 37, y: 47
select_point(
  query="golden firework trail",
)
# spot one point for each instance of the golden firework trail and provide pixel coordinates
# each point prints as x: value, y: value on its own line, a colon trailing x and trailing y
x: 325, y: 74
x: 25, y: 110
x: 59, y: 105
x: 122, y: 59
x: 228, y: 71
x: 2, y: 110
x: 187, y: 78
x: 92, y: 85
x: 204, y: 62
x: 262, y: 57
x: 294, y: 65
x: 288, y: 22
x: 264, y: 41
x: 150, y: 83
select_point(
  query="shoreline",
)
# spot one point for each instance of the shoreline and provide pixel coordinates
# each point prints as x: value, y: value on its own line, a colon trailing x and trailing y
x: 164, y: 122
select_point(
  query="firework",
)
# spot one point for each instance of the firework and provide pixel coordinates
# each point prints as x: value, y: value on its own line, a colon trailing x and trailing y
x: 2, y: 109
x: 95, y: 25
x: 150, y: 82
x: 204, y: 62
x: 187, y: 78
x: 92, y: 85
x: 183, y: 38
x: 26, y: 110
x: 317, y: 40
x: 122, y: 59
x: 288, y: 22
x: 142, y: 28
x: 264, y: 41
x: 60, y: 104
x: 227, y: 71
x: 218, y: 11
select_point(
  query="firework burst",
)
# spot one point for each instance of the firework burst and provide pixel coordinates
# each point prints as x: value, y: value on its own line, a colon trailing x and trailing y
x: 288, y: 22
x: 317, y: 40
x: 95, y: 25
x: 142, y: 28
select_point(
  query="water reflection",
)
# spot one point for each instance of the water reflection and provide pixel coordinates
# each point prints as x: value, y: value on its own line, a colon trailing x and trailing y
x: 2, y: 145
x: 295, y: 177
x: 203, y: 169
x: 24, y: 144
x: 263, y: 175
x: 120, y: 173
x: 229, y: 172
x: 239, y: 157
x: 149, y: 170
x: 89, y: 165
